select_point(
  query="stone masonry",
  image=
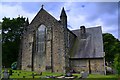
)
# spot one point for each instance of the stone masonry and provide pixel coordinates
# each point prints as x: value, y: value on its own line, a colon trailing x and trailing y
x: 48, y: 45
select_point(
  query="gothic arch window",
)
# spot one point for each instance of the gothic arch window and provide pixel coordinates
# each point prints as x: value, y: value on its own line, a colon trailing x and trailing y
x: 41, y: 39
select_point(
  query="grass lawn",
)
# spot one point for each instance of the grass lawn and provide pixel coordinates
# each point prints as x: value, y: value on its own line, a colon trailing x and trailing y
x: 102, y: 76
x: 28, y: 74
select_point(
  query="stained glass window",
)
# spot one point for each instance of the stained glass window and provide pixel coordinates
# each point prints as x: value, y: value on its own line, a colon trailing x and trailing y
x: 41, y: 37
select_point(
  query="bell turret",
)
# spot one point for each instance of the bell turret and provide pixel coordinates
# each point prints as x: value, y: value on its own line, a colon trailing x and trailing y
x: 63, y: 18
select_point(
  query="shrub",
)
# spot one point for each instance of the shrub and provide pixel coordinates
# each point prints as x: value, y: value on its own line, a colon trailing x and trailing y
x: 14, y: 65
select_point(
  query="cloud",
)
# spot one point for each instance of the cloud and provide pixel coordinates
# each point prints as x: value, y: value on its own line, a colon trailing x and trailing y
x: 12, y: 11
x: 109, y: 7
x: 94, y: 14
x: 78, y: 13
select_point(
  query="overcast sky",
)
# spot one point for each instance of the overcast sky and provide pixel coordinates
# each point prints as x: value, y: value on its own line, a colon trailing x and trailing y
x: 89, y: 14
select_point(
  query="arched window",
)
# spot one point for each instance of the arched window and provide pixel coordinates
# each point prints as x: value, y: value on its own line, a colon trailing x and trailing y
x: 41, y: 39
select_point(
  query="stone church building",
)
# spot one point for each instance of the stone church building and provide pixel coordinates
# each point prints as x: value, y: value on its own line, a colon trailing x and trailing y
x: 48, y: 45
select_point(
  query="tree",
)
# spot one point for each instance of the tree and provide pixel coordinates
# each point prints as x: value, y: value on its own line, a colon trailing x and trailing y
x: 12, y: 30
x: 0, y: 31
x: 117, y: 63
x: 0, y: 49
x: 0, y: 25
x: 111, y: 47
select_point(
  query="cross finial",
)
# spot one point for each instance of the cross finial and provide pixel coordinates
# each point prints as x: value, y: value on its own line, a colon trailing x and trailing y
x: 42, y: 6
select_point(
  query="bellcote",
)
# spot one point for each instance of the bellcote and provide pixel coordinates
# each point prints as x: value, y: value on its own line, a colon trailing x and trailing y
x: 63, y: 18
x: 63, y: 13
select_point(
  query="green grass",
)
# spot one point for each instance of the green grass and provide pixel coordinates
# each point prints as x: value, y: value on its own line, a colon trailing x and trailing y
x: 21, y: 73
x: 78, y: 75
x: 28, y: 74
x: 51, y: 74
x: 102, y: 76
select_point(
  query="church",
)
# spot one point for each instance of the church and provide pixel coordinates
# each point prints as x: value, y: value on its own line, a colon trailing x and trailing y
x: 48, y: 45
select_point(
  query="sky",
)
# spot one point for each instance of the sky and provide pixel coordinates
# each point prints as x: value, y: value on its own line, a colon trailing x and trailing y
x: 89, y: 14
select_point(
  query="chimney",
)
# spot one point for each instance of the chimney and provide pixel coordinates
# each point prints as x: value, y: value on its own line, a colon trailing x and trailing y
x: 82, y: 32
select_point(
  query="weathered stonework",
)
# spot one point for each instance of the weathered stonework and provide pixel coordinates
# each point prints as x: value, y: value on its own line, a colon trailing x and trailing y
x: 94, y: 66
x: 59, y: 48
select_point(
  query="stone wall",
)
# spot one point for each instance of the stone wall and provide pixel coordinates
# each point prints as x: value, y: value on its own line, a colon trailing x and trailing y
x: 97, y: 66
x: 71, y: 42
x: 58, y: 50
x: 54, y: 59
x: 93, y: 66
x: 27, y: 52
x: 79, y: 65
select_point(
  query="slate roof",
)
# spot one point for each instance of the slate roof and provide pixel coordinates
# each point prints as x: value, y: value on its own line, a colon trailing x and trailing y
x: 91, y: 47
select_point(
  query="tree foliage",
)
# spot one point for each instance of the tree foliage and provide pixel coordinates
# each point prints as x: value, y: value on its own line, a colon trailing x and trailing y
x: 117, y: 63
x: 0, y: 25
x: 111, y: 47
x: 11, y: 34
x: 0, y: 31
